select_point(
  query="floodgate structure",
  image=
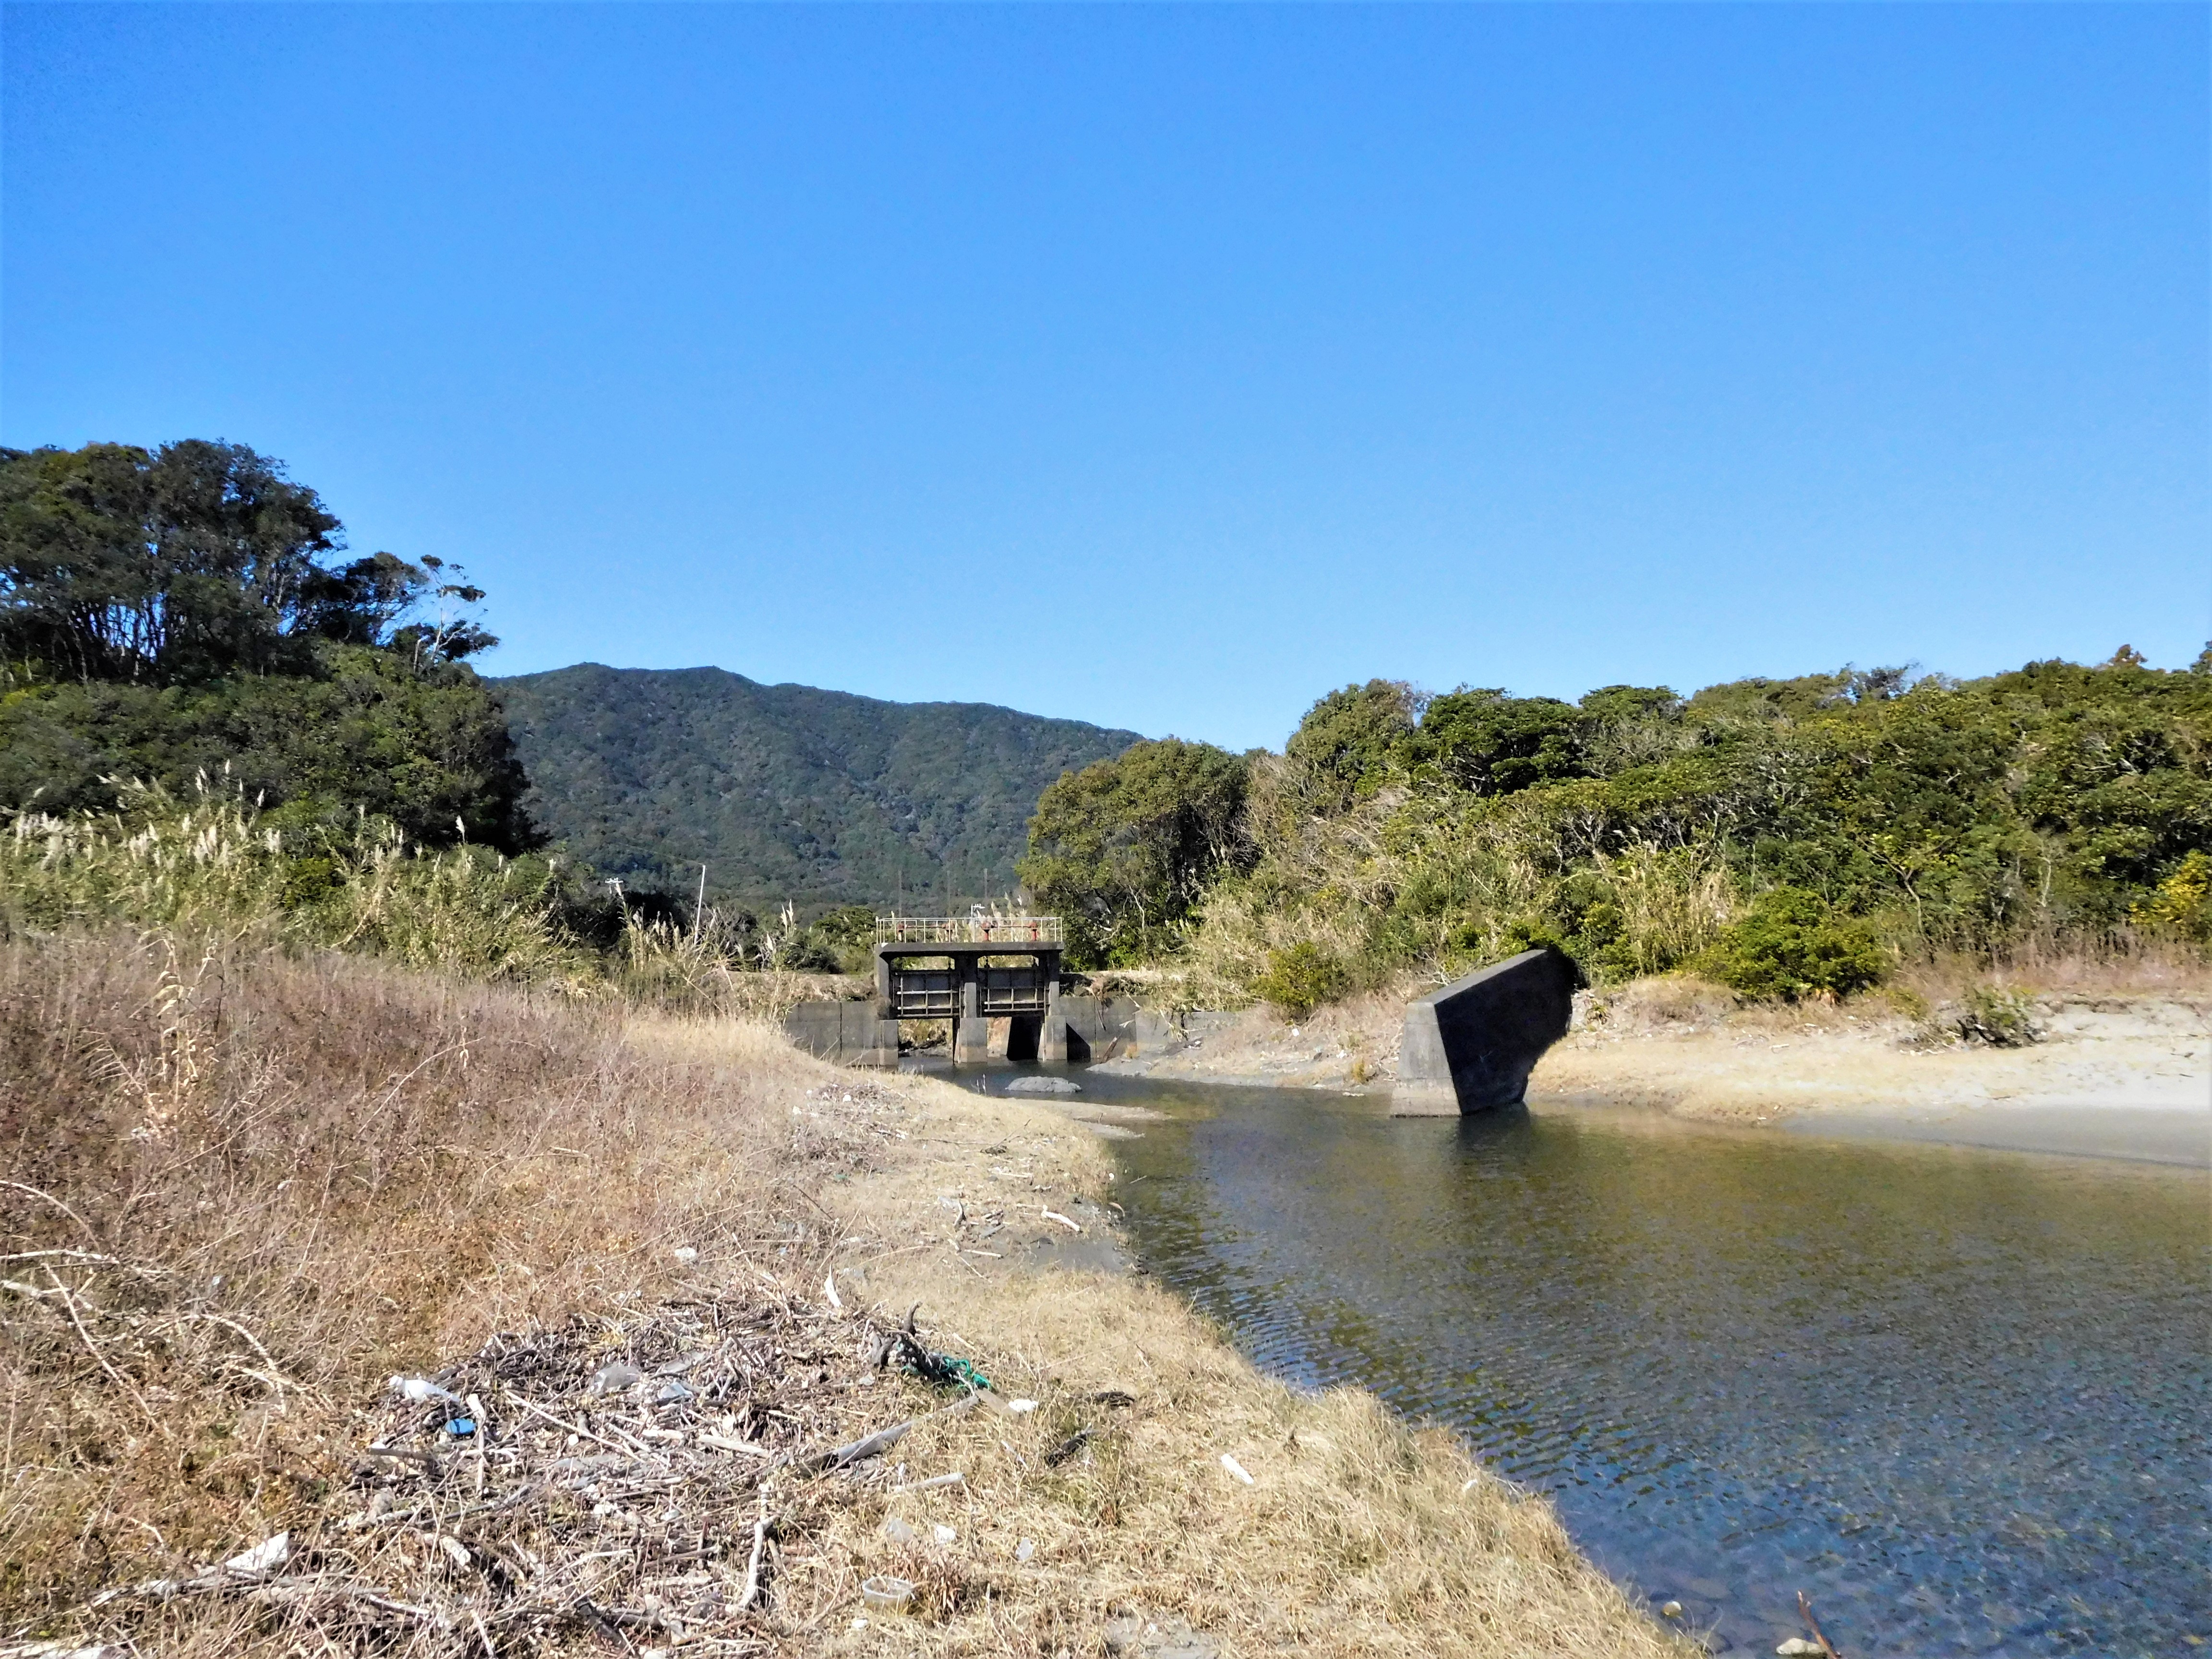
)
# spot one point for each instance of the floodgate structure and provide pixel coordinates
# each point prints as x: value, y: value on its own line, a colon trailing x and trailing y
x: 998, y: 979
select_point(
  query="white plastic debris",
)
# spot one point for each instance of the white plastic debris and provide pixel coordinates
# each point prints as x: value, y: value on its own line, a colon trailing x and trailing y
x: 954, y: 1479
x: 687, y: 1254
x: 1235, y: 1468
x: 1019, y: 1407
x: 1025, y: 1549
x: 943, y: 1533
x: 422, y: 1390
x: 264, y: 1557
x: 615, y: 1378
x: 829, y: 1290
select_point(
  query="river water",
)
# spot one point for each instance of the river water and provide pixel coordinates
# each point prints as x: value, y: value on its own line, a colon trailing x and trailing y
x: 1958, y: 1397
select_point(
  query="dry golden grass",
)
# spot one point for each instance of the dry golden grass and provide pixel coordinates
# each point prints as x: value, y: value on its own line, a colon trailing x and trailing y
x: 273, y: 1180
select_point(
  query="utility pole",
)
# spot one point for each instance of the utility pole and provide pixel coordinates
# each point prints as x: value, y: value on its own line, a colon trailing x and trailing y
x: 699, y: 910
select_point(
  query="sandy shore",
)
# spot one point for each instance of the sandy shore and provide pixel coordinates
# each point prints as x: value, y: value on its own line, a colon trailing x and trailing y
x: 2109, y: 1076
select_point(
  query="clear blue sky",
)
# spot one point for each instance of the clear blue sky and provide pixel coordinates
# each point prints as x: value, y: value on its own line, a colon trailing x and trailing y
x: 1164, y: 367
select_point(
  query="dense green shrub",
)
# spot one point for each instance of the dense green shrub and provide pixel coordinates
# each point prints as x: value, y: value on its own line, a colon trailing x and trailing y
x: 1300, y: 979
x: 2058, y: 804
x: 1997, y: 1018
x: 1122, y: 849
x: 2182, y: 903
x: 1349, y: 743
x: 1792, y: 944
x: 181, y: 613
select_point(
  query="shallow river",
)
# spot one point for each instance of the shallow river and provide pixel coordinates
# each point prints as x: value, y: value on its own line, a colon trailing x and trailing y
x: 1958, y: 1397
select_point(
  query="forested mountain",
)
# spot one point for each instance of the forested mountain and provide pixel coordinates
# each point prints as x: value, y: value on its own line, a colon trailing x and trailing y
x: 785, y: 792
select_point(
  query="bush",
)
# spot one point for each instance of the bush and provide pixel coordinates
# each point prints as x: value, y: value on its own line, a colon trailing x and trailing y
x: 2182, y: 903
x: 1792, y: 944
x: 1301, y: 979
x: 1998, y: 1019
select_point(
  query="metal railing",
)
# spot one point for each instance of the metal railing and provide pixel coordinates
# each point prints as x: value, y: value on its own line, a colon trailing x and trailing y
x: 972, y: 929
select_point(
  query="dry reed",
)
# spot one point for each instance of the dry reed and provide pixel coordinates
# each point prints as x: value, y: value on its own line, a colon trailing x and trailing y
x: 267, y: 1181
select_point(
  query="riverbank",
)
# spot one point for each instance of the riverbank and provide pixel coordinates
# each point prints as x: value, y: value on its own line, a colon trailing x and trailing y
x: 2115, y: 1071
x: 259, y: 1186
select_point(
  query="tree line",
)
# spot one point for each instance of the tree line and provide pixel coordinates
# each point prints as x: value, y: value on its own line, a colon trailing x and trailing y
x: 1791, y: 837
x: 190, y: 613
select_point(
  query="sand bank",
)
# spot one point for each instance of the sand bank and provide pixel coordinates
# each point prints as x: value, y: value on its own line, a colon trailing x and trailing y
x: 2109, y: 1076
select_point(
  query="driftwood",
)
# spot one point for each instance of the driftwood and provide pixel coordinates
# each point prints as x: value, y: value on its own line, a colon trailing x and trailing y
x: 881, y: 1441
x: 562, y: 1510
x: 1067, y: 1448
x: 1805, y: 1608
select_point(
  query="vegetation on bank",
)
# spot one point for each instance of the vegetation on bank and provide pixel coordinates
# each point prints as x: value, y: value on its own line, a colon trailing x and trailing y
x: 211, y: 717
x: 188, y: 611
x: 248, y: 1186
x: 1789, y: 838
x: 211, y: 864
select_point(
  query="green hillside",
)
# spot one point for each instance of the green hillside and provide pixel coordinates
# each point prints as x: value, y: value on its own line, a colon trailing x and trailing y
x: 785, y: 792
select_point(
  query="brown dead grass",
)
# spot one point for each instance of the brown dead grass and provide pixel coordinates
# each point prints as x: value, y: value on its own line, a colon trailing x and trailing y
x: 277, y: 1180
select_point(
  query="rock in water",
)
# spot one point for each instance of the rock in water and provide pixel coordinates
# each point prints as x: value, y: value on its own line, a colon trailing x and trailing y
x: 1042, y: 1085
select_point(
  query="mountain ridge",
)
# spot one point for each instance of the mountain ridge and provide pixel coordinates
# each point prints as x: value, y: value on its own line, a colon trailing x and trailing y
x: 786, y: 792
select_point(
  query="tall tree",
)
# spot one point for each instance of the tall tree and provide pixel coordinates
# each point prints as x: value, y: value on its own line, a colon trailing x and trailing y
x: 186, y: 612
x: 1124, y: 848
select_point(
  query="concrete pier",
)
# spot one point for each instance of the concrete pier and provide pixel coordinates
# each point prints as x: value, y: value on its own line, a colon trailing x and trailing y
x: 1470, y: 1047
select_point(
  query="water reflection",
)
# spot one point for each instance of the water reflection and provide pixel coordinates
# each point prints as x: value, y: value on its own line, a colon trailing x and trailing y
x: 1960, y: 1397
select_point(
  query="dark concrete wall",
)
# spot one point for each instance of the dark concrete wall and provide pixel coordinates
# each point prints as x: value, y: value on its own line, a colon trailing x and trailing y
x: 1470, y: 1047
x: 844, y: 1033
x: 1098, y: 1028
x: 1105, y: 1028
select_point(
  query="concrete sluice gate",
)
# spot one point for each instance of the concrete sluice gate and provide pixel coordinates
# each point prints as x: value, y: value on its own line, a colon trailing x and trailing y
x: 998, y: 979
x: 1467, y: 1047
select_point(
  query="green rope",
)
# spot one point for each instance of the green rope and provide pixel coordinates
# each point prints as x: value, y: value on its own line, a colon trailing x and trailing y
x: 962, y: 1369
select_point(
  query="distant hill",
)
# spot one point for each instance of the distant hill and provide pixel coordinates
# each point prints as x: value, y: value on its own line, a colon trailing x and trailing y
x: 784, y: 791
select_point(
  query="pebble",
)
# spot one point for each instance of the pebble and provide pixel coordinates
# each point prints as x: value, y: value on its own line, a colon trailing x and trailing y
x: 1797, y: 1647
x: 1670, y: 1609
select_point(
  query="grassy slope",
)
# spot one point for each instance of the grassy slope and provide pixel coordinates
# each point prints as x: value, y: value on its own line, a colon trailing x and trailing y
x: 286, y: 1178
x: 785, y: 791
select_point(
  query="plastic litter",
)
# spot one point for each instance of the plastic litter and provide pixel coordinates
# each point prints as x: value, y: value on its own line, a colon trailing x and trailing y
x: 1025, y: 1549
x: 461, y: 1427
x: 264, y: 1557
x: 1235, y: 1468
x: 672, y: 1392
x: 1021, y: 1407
x: 886, y: 1594
x: 942, y: 1368
x: 422, y: 1390
x: 899, y: 1533
x: 615, y: 1378
x: 944, y: 1534
x: 686, y: 1254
